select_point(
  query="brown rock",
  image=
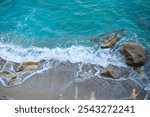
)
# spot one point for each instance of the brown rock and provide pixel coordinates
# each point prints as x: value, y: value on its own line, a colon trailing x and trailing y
x: 135, y: 54
x: 111, y: 40
x: 14, y: 81
x: 115, y: 72
x: 29, y: 65
x: 8, y: 74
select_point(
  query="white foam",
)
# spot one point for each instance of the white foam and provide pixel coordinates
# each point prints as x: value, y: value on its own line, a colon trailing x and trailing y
x: 73, y: 54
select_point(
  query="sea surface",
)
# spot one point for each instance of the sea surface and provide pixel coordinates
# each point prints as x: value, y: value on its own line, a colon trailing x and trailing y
x: 63, y: 29
x: 59, y: 34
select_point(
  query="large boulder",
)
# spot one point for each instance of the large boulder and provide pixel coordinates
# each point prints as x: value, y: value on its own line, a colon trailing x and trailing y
x: 134, y: 54
x: 115, y: 72
x: 112, y: 39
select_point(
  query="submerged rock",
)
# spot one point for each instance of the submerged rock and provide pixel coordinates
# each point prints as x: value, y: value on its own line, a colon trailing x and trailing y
x: 29, y: 65
x: 115, y: 72
x: 140, y: 72
x: 134, y: 54
x: 111, y: 40
x: 14, y: 81
x: 9, y: 78
x: 98, y: 38
x: 60, y: 82
x: 8, y: 74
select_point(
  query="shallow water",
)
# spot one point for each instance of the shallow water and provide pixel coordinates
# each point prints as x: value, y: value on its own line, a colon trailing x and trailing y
x: 55, y: 23
x: 41, y: 29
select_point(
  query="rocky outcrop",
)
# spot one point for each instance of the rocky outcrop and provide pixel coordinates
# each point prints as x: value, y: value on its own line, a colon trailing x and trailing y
x: 135, y: 55
x: 111, y: 40
x: 115, y: 72
x: 29, y: 65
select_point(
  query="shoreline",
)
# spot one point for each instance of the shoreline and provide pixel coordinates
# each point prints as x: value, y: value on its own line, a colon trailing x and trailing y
x: 66, y: 80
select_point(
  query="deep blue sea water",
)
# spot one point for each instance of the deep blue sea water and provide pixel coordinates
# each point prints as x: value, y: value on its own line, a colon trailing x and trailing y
x: 63, y: 29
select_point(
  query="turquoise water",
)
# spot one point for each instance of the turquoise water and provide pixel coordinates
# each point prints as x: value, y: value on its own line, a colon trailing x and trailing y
x: 63, y: 28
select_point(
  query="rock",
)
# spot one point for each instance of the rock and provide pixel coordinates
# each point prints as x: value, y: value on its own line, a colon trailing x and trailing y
x: 8, y: 74
x: 60, y: 82
x: 111, y: 40
x: 15, y: 66
x: 115, y: 72
x: 14, y: 81
x: 48, y: 84
x: 135, y: 54
x: 29, y: 65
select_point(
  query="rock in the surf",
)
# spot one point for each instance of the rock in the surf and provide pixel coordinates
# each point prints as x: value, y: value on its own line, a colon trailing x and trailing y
x: 112, y: 39
x: 14, y: 81
x: 8, y: 74
x: 29, y: 65
x: 115, y: 72
x: 135, y: 55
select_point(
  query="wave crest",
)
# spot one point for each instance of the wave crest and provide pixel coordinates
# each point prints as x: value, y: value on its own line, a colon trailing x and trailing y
x: 73, y: 54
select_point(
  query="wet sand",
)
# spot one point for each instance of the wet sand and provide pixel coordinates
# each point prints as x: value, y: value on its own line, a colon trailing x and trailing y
x: 74, y: 81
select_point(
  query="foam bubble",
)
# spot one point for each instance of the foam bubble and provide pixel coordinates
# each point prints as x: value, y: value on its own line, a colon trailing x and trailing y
x: 74, y: 54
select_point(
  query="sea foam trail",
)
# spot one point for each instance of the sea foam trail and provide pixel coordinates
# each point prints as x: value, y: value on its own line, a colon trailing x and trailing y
x: 74, y: 54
